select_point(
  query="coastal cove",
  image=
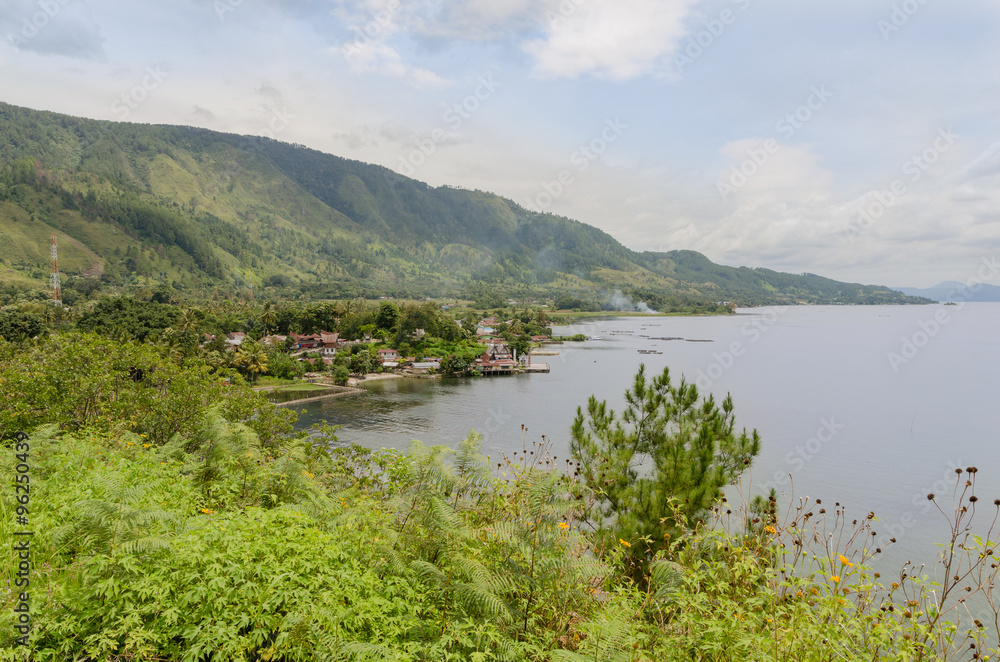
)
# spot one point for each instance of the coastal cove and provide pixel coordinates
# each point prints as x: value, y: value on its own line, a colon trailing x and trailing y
x: 872, y: 407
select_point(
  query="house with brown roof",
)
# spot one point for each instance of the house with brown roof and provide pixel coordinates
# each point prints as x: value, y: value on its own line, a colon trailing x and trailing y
x: 235, y: 339
x: 493, y: 365
x: 330, y: 342
x: 308, y: 341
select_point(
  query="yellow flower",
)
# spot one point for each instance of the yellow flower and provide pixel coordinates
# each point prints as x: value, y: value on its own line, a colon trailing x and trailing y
x: 846, y: 561
x: 835, y: 579
x: 770, y: 529
x: 624, y: 542
x: 207, y: 511
x: 563, y: 525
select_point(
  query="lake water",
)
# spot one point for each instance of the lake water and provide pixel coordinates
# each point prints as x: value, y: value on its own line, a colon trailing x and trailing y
x: 873, y: 407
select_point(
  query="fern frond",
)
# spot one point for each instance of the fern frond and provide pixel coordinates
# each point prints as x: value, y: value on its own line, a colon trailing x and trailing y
x: 563, y: 655
x: 428, y: 572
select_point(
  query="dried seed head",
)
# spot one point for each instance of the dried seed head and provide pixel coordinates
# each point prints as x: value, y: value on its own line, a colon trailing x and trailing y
x: 930, y: 497
x: 973, y: 499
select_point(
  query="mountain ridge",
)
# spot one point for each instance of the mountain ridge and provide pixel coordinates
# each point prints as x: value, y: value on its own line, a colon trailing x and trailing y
x: 197, y: 208
x: 954, y: 291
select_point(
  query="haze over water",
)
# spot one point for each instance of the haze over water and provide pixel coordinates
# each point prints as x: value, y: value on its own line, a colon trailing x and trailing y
x: 832, y: 409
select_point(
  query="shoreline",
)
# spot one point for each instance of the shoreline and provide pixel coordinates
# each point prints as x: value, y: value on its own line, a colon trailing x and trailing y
x: 336, y: 392
x: 378, y: 376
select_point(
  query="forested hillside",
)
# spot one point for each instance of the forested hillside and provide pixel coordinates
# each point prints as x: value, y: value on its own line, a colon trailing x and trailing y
x: 196, y: 209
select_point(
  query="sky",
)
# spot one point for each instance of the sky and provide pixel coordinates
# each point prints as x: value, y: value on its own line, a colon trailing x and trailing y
x: 855, y: 139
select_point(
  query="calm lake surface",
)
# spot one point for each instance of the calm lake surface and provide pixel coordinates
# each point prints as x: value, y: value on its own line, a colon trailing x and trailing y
x: 873, y: 407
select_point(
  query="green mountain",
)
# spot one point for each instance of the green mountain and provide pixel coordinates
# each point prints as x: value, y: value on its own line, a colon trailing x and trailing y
x: 139, y: 204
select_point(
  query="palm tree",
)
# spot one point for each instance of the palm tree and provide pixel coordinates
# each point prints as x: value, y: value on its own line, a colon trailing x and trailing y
x: 268, y: 316
x: 187, y: 321
x: 257, y: 364
x: 251, y: 359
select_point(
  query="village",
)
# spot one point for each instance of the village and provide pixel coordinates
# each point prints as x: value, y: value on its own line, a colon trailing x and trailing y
x: 498, y: 356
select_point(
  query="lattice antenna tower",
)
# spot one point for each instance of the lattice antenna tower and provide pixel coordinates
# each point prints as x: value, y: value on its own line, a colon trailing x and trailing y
x: 56, y: 289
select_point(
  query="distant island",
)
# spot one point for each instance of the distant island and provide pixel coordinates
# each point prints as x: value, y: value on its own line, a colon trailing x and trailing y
x: 955, y: 292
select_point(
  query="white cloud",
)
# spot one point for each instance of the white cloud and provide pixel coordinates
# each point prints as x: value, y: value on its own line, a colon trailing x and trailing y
x: 615, y: 39
x: 54, y: 28
x: 368, y: 49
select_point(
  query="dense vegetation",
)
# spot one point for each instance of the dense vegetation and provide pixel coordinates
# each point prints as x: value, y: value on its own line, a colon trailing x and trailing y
x: 142, y: 206
x: 416, y: 330
x: 177, y: 517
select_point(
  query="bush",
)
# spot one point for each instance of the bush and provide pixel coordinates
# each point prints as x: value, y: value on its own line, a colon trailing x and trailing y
x: 340, y: 375
x: 125, y: 385
x: 15, y: 325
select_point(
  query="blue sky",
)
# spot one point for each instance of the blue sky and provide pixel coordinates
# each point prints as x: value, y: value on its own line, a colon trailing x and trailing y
x: 857, y: 139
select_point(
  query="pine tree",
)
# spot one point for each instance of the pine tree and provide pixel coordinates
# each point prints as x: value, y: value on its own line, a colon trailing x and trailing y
x: 660, y: 464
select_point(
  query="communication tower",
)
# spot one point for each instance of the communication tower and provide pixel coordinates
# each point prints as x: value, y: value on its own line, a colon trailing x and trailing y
x: 56, y: 289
